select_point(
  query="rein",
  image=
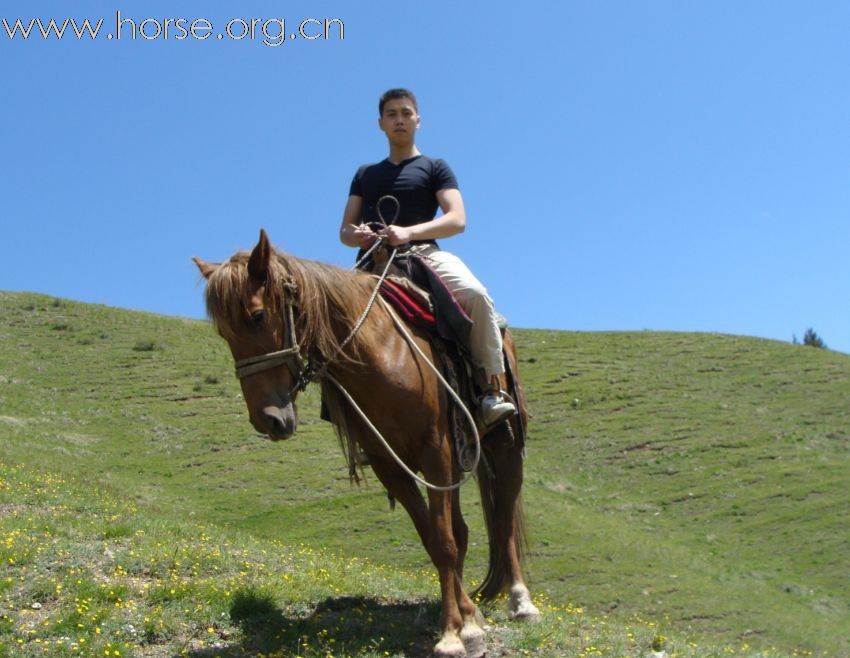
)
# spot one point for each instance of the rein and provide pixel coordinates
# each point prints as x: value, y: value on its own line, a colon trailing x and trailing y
x: 302, y: 369
x: 305, y: 371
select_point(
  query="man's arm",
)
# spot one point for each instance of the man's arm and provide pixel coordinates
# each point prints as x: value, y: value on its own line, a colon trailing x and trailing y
x: 451, y: 222
x: 351, y: 232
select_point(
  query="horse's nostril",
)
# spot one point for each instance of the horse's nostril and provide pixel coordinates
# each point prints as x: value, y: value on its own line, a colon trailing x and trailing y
x: 274, y: 419
x: 276, y: 423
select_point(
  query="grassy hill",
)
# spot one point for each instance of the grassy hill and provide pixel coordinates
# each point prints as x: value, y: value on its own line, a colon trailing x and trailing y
x: 683, y: 484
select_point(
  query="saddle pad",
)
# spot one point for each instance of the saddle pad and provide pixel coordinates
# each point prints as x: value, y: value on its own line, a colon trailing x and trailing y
x: 410, y: 309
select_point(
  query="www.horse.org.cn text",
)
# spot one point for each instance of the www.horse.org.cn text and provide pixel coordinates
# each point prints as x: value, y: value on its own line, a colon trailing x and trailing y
x: 268, y: 31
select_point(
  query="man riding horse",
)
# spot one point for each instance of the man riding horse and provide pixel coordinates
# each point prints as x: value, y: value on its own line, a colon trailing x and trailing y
x: 422, y: 184
x: 289, y: 321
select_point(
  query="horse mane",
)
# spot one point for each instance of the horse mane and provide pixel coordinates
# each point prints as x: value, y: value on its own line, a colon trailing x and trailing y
x: 329, y: 301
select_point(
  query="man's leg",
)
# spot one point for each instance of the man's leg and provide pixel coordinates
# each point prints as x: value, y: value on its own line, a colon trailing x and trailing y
x: 485, y: 336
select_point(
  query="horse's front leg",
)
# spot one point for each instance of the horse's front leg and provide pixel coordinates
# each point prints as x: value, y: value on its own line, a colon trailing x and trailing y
x: 472, y: 634
x: 460, y: 530
x: 444, y: 554
x: 461, y: 635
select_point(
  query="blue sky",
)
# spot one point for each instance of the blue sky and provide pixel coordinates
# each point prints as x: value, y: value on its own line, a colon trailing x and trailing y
x: 625, y: 165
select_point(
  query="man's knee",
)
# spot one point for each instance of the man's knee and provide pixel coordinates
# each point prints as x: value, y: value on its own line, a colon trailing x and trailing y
x: 474, y: 298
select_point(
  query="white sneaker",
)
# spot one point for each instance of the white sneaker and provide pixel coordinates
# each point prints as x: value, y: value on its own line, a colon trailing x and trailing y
x: 494, y: 407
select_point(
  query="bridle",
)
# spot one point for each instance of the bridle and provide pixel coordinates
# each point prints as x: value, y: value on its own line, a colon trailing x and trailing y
x: 303, y: 371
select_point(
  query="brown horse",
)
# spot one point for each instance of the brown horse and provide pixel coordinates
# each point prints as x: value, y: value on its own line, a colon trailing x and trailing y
x: 280, y: 314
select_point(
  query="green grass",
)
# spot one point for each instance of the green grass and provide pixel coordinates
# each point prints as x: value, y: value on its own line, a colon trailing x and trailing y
x: 168, y: 588
x: 687, y: 485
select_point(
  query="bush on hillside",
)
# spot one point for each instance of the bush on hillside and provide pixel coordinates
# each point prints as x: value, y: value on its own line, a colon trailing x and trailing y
x: 812, y: 339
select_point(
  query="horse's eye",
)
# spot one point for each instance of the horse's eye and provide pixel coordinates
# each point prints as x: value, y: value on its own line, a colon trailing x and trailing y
x: 258, y: 317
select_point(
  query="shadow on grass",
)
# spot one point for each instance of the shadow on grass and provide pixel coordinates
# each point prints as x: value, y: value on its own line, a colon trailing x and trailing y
x: 342, y: 626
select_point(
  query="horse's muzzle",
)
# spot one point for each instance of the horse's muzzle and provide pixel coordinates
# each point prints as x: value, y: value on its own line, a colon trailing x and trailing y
x: 278, y: 423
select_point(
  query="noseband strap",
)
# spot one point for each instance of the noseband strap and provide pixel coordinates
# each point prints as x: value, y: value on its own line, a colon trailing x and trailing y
x: 268, y: 361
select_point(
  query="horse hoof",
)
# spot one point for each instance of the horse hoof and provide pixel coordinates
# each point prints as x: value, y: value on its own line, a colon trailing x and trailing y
x: 450, y: 647
x: 474, y: 640
x: 527, y: 612
x: 520, y: 606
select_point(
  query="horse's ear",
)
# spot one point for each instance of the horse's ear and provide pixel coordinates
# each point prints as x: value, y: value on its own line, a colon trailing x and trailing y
x: 258, y: 263
x: 206, y: 268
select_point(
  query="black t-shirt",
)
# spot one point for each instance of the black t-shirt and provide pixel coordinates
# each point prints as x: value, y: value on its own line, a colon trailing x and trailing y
x: 414, y: 182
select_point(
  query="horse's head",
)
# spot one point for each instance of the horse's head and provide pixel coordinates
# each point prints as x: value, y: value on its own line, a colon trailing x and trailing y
x: 247, y: 299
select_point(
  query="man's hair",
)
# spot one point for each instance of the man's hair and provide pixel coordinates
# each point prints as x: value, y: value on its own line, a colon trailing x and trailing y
x: 393, y: 94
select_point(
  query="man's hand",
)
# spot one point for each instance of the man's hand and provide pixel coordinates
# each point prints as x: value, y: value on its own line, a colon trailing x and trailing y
x: 365, y: 236
x: 396, y: 235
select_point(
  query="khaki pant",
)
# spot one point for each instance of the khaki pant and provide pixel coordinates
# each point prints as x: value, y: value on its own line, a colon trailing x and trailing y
x: 485, y: 337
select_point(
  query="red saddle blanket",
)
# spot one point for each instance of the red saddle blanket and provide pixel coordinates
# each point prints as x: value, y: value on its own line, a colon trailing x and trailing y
x: 410, y: 309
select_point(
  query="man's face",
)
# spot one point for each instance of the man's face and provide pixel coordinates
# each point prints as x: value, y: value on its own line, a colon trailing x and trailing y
x: 399, y: 120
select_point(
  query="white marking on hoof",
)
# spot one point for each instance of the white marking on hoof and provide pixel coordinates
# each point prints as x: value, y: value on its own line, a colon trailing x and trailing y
x: 450, y: 647
x: 474, y: 639
x: 520, y: 606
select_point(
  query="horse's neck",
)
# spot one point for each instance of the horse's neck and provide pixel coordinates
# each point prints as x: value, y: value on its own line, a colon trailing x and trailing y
x: 343, y: 308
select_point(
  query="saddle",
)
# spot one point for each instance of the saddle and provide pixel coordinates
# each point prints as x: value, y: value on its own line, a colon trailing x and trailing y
x: 420, y: 298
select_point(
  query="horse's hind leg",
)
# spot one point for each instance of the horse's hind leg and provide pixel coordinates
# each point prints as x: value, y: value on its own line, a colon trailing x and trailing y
x: 506, y: 527
x: 507, y: 521
x: 519, y: 603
